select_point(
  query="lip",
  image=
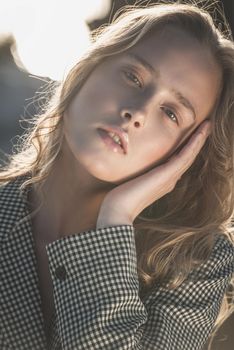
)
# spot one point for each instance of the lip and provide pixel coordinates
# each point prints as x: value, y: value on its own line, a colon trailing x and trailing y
x: 123, y: 135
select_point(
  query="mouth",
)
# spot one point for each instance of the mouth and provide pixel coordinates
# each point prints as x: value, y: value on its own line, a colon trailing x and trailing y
x: 111, y: 140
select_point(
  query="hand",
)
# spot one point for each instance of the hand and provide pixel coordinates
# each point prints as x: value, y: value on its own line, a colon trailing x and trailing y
x: 122, y: 204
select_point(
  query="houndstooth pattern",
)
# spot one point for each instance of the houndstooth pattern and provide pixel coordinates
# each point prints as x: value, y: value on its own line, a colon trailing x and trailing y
x: 96, y: 290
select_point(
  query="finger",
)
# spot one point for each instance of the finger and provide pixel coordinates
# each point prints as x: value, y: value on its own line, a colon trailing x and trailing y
x: 169, y: 172
x: 180, y: 162
x: 154, y: 184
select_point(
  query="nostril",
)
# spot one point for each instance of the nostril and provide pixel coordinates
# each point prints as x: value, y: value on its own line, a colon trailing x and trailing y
x: 127, y: 115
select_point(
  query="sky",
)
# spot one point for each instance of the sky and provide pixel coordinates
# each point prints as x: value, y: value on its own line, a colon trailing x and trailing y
x: 50, y: 34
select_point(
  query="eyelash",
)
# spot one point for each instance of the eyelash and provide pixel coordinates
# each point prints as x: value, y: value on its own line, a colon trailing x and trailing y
x: 174, y: 119
x: 135, y: 80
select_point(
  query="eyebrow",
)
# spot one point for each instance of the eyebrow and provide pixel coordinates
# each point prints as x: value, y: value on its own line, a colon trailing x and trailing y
x: 144, y: 63
x: 178, y: 95
x: 185, y: 102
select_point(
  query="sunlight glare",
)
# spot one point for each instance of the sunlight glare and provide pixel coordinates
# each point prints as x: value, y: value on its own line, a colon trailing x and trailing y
x: 50, y: 34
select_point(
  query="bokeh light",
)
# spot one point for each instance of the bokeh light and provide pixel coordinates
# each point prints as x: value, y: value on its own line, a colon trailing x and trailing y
x: 50, y: 34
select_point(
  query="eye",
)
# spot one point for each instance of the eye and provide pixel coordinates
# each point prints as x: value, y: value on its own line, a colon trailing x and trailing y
x: 170, y: 114
x: 131, y: 76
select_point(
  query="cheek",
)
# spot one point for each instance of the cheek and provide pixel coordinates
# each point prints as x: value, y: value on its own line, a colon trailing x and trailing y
x: 73, y: 130
x: 156, y: 149
x: 99, y: 85
x: 66, y: 122
x: 162, y: 143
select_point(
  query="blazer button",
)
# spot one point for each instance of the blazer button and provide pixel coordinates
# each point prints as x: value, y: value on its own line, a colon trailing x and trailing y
x: 61, y: 273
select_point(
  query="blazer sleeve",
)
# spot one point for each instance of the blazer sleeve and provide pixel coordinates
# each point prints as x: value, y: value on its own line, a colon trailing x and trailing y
x: 96, y: 293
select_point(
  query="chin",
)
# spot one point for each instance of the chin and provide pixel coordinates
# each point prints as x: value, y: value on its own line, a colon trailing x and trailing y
x: 105, y: 175
x: 92, y: 164
x: 113, y: 176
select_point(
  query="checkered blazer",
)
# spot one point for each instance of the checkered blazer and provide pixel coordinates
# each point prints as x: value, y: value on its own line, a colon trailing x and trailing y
x: 96, y: 287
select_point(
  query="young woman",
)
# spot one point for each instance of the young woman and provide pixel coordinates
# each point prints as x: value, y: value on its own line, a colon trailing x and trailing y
x: 115, y: 214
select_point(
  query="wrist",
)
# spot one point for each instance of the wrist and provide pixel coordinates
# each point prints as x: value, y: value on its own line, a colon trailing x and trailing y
x: 111, y: 220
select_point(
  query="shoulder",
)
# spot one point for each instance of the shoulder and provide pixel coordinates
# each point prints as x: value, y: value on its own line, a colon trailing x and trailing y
x: 221, y: 260
x: 223, y: 247
x: 212, y: 276
x: 11, y: 193
x: 190, y: 310
x: 12, y: 203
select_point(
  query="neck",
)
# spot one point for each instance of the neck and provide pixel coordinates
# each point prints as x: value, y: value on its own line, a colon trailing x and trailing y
x: 73, y: 198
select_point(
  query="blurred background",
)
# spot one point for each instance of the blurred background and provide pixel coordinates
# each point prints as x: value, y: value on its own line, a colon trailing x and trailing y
x: 40, y: 40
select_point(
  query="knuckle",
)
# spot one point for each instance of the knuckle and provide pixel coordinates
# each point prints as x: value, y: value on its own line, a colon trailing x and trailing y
x: 172, y: 185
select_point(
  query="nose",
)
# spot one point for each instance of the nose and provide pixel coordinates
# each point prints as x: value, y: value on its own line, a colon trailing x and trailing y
x: 137, y: 118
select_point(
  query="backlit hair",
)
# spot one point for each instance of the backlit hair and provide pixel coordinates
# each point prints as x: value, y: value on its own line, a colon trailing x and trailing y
x: 176, y: 233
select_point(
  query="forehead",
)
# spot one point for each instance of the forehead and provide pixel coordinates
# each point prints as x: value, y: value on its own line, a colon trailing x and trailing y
x: 158, y: 42
x: 182, y: 63
x: 168, y: 43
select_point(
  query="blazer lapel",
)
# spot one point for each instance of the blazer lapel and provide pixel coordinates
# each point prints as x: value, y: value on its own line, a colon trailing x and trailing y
x: 22, y: 321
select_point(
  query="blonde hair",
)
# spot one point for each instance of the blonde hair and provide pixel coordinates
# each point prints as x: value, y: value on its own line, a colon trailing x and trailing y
x: 180, y: 227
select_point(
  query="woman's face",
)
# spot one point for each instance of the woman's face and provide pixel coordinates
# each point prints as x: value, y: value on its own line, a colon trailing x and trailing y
x: 159, y: 91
